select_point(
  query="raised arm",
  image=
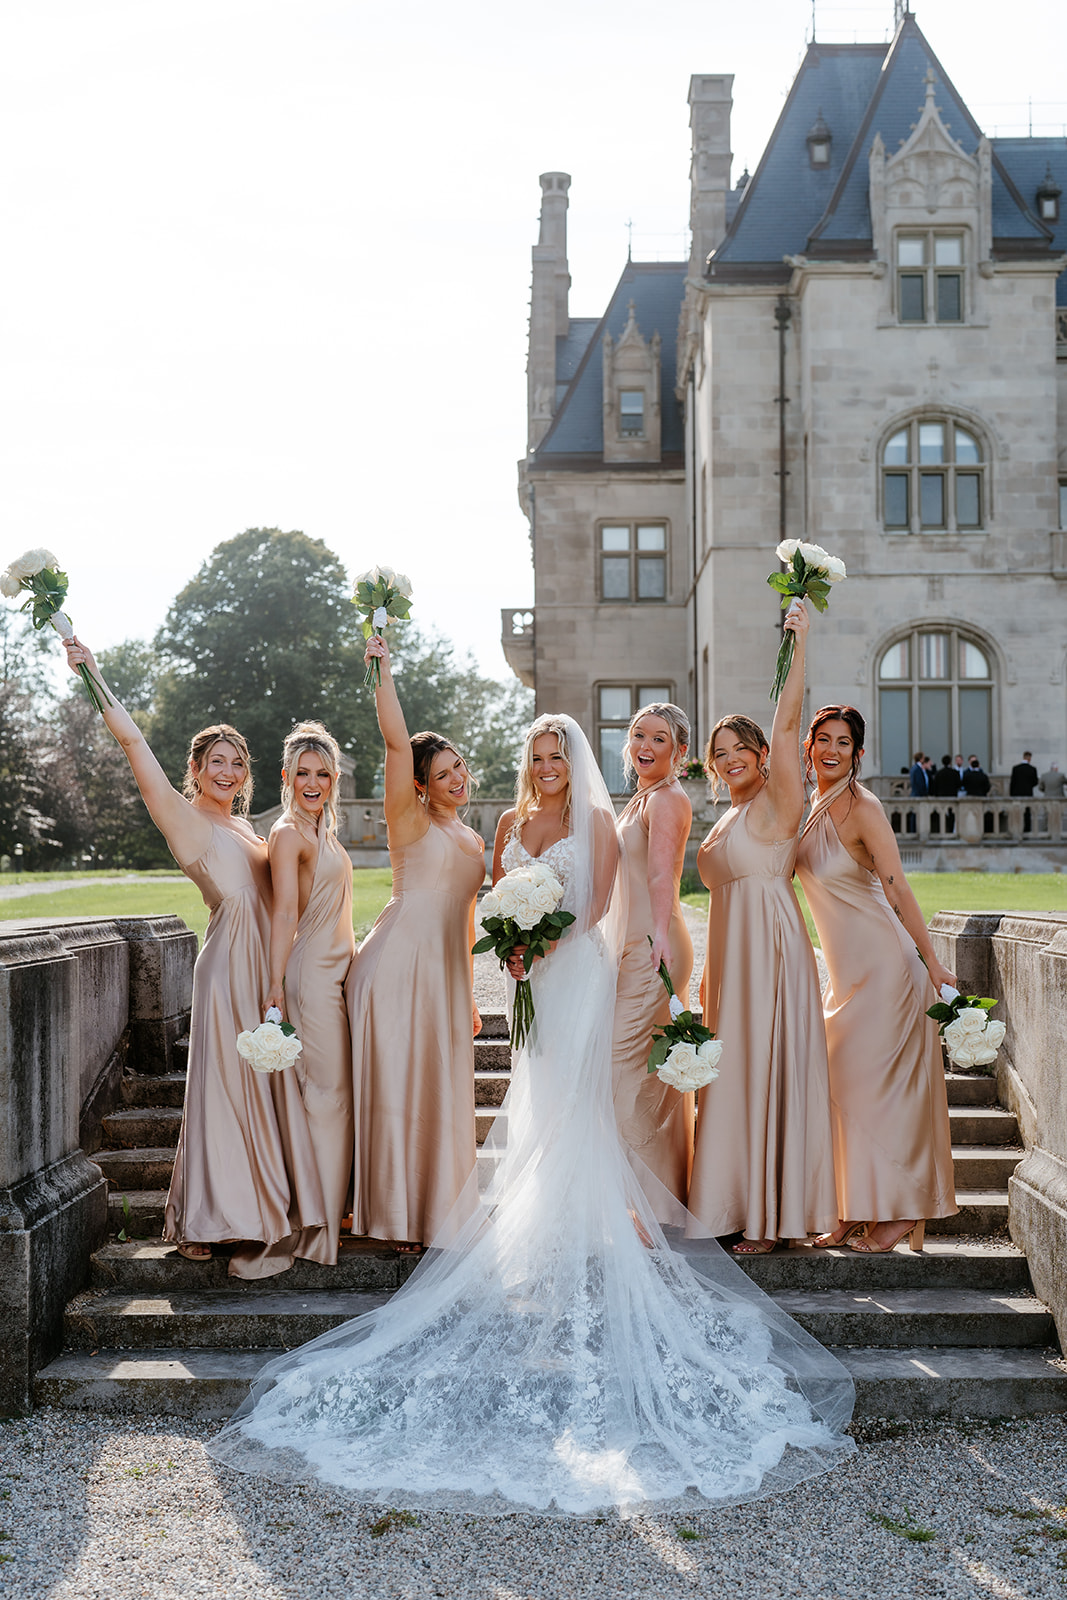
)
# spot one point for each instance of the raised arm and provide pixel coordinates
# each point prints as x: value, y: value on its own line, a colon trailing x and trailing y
x: 187, y: 832
x: 284, y: 847
x: 783, y: 797
x: 404, y: 818
x: 871, y: 828
x: 669, y: 816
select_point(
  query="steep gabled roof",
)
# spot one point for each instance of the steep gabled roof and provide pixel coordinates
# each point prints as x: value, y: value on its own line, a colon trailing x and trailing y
x: 894, y: 109
x: 656, y: 288
x: 792, y: 208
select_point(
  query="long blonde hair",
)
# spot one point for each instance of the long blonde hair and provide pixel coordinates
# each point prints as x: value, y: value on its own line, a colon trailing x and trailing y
x: 314, y: 737
x: 525, y: 790
x: 200, y: 747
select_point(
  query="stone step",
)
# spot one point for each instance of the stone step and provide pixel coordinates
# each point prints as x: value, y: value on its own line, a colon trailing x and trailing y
x: 217, y: 1318
x: 137, y: 1126
x: 490, y: 1087
x: 905, y: 1382
x: 988, y: 1125
x: 139, y: 1214
x: 982, y: 1212
x: 956, y: 1383
x: 210, y: 1318
x: 945, y: 1262
x: 981, y: 1167
x: 970, y: 1089
x: 492, y: 1055
x: 892, y: 1318
x: 145, y: 1168
x: 494, y: 1026
x: 152, y: 1267
x: 146, y: 1089
x: 485, y: 1119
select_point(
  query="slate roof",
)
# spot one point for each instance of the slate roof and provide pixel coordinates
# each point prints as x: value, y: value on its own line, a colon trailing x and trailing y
x: 791, y: 208
x: 1026, y: 161
x: 657, y: 289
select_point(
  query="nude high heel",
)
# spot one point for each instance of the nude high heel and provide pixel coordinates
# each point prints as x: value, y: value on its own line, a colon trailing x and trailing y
x: 915, y: 1234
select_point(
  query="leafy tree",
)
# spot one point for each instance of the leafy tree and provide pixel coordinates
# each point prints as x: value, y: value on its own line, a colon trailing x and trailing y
x: 263, y: 636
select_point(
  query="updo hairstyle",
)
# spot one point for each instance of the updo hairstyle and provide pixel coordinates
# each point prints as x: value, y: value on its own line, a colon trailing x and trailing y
x: 311, y: 736
x: 676, y: 721
x: 200, y: 748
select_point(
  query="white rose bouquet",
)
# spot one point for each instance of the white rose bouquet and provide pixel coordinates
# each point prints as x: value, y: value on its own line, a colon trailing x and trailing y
x: 385, y: 596
x: 522, y: 910
x: 38, y: 572
x: 971, y: 1036
x: 686, y: 1054
x: 811, y: 572
x: 270, y: 1047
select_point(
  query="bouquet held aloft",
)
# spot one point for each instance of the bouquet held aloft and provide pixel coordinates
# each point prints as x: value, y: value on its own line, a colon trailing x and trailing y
x: 811, y: 572
x: 38, y: 572
x: 385, y: 596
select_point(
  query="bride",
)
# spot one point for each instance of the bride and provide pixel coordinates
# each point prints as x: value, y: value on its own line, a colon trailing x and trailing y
x: 553, y: 1352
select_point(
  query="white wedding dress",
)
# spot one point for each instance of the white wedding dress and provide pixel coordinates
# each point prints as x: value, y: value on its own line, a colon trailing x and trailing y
x: 554, y: 1352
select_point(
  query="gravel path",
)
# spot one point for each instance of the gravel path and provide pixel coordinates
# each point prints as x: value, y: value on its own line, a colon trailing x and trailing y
x: 16, y: 891
x: 91, y: 1509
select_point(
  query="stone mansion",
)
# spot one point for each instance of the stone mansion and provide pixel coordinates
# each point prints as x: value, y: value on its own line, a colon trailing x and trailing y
x: 867, y: 348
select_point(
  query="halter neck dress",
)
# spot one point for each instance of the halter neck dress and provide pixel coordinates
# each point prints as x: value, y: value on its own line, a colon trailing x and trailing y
x: 244, y: 1167
x: 653, y: 1119
x: 410, y: 1003
x: 763, y: 1160
x: 892, y: 1145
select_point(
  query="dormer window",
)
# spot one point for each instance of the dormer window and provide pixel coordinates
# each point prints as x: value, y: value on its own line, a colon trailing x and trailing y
x: 818, y: 141
x: 632, y: 413
x: 1048, y: 197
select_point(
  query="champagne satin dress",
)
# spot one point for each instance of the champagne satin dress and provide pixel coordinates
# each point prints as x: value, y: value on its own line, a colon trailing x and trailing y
x: 410, y: 1003
x: 244, y: 1168
x: 763, y: 1160
x: 653, y: 1119
x: 315, y: 1004
x: 892, y: 1145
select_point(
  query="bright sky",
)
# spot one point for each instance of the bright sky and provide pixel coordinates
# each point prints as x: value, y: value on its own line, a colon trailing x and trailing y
x: 266, y: 262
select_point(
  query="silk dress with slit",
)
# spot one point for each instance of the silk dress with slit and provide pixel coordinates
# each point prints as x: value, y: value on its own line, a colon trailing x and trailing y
x: 763, y: 1157
x: 244, y: 1168
x: 410, y: 1003
x: 315, y: 1004
x: 892, y: 1145
x: 653, y: 1119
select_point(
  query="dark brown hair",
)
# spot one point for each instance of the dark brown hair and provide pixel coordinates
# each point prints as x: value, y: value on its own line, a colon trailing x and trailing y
x: 750, y: 734
x: 426, y: 745
x: 200, y: 748
x: 857, y: 727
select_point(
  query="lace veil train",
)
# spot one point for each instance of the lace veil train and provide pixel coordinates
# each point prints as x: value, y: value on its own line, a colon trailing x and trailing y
x: 552, y: 1351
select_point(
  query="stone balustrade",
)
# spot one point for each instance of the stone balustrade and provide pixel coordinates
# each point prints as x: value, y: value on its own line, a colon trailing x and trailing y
x: 1021, y: 960
x: 75, y: 997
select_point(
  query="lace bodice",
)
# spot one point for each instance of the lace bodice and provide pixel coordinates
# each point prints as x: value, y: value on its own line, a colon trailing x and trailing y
x: 559, y: 856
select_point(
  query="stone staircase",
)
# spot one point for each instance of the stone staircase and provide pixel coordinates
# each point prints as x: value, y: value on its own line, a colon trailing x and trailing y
x: 955, y: 1331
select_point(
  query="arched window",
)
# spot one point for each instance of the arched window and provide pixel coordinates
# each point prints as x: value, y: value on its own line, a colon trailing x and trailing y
x: 933, y: 478
x: 935, y: 693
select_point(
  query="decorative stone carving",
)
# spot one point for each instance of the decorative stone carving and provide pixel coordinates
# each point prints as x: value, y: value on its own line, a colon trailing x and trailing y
x: 632, y: 366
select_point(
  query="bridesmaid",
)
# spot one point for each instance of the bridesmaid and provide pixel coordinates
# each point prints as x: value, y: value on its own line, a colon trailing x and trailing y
x: 244, y: 1168
x: 763, y: 1163
x: 892, y: 1146
x: 653, y: 1119
x: 409, y: 992
x: 311, y: 948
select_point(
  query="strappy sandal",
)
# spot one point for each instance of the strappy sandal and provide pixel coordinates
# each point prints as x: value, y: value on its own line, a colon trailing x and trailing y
x: 830, y: 1241
x: 913, y: 1232
x: 194, y: 1252
x: 754, y: 1247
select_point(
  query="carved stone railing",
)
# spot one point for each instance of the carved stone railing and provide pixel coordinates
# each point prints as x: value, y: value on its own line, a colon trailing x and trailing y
x: 517, y: 641
x: 75, y: 997
x: 1020, y: 959
x: 990, y: 820
x: 1061, y: 333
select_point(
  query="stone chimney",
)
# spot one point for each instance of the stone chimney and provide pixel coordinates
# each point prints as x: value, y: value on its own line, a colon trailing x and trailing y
x: 549, y: 313
x: 710, y: 103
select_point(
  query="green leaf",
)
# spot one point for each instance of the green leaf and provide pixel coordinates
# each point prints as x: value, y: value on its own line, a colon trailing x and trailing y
x: 941, y: 1012
x: 288, y: 1031
x: 799, y: 565
x: 483, y: 945
x: 986, y: 1004
x: 658, y: 1054
x: 782, y: 582
x: 819, y: 602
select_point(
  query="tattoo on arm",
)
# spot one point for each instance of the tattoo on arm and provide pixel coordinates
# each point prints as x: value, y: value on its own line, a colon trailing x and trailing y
x: 890, y: 879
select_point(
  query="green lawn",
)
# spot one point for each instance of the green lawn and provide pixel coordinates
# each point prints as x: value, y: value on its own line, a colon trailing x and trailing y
x: 963, y: 891
x: 124, y: 899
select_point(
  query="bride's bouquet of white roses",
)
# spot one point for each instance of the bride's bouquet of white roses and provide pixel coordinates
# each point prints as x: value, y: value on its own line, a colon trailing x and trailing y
x: 385, y: 596
x: 811, y: 572
x: 38, y: 572
x: 686, y: 1054
x: 270, y: 1047
x: 522, y: 911
x: 971, y: 1036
